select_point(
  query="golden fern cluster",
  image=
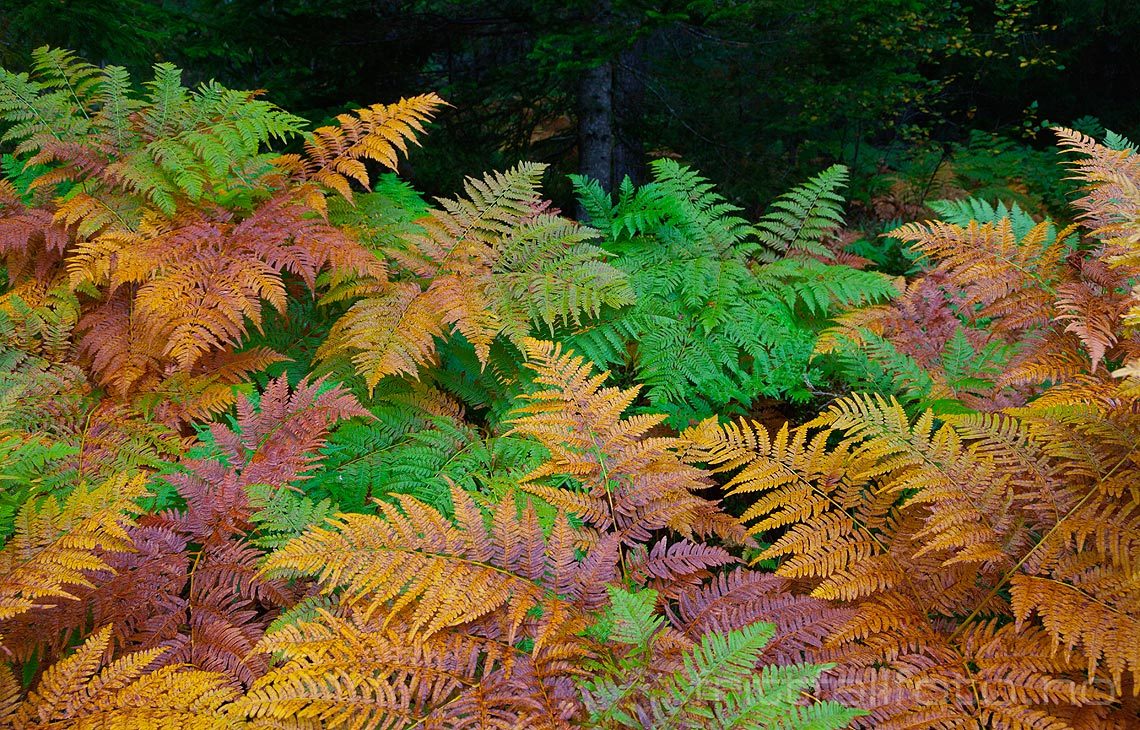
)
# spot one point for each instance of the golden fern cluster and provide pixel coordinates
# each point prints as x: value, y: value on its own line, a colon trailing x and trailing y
x: 989, y: 558
x: 483, y: 617
x: 169, y: 218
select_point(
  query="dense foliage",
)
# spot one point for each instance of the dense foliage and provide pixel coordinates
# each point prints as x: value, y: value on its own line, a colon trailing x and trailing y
x: 286, y: 445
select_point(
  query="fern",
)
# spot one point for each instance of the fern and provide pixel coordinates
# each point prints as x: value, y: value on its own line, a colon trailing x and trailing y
x: 714, y: 683
x: 631, y: 485
x: 712, y: 329
x: 55, y: 544
x: 798, y: 220
x: 493, y: 264
x: 84, y: 691
x: 162, y: 217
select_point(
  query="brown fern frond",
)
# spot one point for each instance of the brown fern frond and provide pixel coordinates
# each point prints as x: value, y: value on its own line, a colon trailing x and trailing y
x: 139, y: 595
x: 275, y: 445
x: 31, y: 242
x: 1098, y: 617
x: 1092, y: 314
x: 1111, y: 203
x: 124, y: 354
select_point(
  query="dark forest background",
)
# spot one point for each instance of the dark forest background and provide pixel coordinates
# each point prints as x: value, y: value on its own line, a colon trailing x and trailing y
x: 755, y: 93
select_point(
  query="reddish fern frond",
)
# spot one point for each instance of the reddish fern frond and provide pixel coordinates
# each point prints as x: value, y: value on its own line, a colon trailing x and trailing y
x: 993, y: 677
x: 275, y: 444
x: 742, y: 597
x: 276, y: 441
x: 670, y: 568
x: 211, y: 605
x: 1000, y: 274
x: 123, y: 354
x: 31, y: 242
x: 1092, y: 314
x: 227, y: 611
x: 632, y: 483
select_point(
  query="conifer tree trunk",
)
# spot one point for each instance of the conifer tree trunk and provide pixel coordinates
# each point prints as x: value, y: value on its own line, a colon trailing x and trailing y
x: 596, y: 124
x: 596, y: 133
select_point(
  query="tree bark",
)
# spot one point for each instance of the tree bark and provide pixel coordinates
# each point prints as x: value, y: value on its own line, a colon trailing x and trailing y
x: 596, y: 124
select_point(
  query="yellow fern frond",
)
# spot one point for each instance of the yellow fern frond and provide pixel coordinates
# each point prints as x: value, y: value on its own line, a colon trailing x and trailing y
x: 388, y: 334
x: 412, y: 557
x: 10, y: 692
x: 80, y: 692
x: 344, y: 671
x: 89, y: 215
x: 632, y: 483
x: 57, y: 543
x: 380, y: 132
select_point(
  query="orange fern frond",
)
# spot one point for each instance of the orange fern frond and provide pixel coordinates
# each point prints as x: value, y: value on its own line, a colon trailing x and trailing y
x: 81, y: 691
x: 1002, y: 275
x: 333, y: 155
x: 632, y: 483
x: 445, y: 575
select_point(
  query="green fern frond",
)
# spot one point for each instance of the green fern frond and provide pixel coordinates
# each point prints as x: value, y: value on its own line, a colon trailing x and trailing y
x: 771, y: 699
x: 714, y: 669
x: 632, y: 618
x: 798, y: 220
x: 283, y: 514
x: 824, y: 288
